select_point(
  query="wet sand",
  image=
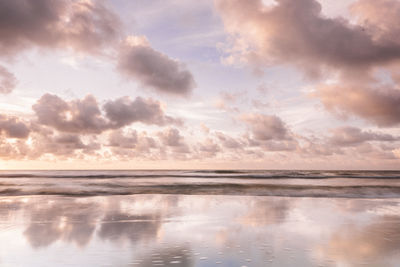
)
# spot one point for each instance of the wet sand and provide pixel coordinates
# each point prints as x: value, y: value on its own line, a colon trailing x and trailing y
x: 198, y: 230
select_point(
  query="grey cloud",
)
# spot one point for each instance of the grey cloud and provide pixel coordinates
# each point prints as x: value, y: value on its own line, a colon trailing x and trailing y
x: 66, y: 145
x: 13, y: 127
x: 317, y: 149
x: 12, y: 150
x: 171, y: 137
x: 69, y: 140
x: 350, y: 136
x: 296, y: 32
x: 360, y: 145
x: 79, y: 25
x: 269, y: 133
x: 377, y: 104
x: 267, y: 127
x: 86, y: 116
x: 124, y: 111
x: 7, y: 81
x: 209, y: 147
x: 130, y: 143
x: 380, y: 18
x: 85, y: 26
x: 145, y: 143
x: 247, y: 144
x: 117, y: 138
x: 229, y: 142
x: 286, y: 145
x: 75, y: 116
x: 139, y: 61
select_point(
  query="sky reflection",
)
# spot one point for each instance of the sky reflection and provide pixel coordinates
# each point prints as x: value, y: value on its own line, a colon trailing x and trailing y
x: 178, y: 230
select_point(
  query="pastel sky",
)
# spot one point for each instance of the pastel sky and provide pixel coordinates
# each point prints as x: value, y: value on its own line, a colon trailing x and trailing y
x: 226, y: 84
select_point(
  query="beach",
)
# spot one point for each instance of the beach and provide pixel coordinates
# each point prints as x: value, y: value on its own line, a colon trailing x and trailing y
x: 206, y: 228
x: 229, y: 133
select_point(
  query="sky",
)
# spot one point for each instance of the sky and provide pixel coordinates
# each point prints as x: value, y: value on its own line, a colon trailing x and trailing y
x: 184, y: 84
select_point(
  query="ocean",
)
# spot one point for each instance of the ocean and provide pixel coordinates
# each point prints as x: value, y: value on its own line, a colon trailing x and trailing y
x: 199, y: 218
x: 349, y: 184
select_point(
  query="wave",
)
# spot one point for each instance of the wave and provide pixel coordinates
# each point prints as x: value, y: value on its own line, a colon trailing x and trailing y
x: 106, y: 189
x: 376, y: 184
x: 204, y: 174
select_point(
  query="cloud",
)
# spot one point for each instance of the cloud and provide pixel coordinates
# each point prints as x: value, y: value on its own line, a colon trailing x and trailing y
x: 16, y: 149
x: 82, y: 116
x: 171, y: 137
x: 350, y: 136
x: 7, y: 81
x: 369, y: 148
x: 227, y: 101
x: 380, y: 18
x: 13, y: 127
x: 128, y: 144
x: 85, y: 26
x: 86, y: 116
x: 62, y: 145
x: 124, y: 111
x: 81, y: 25
x: 296, y: 32
x: 209, y: 148
x: 229, y: 142
x: 139, y: 61
x: 378, y: 104
x: 82, y: 129
x: 117, y: 138
x: 266, y: 127
x: 69, y: 141
x: 268, y: 132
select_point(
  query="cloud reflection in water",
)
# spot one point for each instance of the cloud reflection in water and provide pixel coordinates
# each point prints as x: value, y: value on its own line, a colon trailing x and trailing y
x: 177, y: 230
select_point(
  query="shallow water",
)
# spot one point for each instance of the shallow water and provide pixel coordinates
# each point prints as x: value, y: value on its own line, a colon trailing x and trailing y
x: 201, y: 226
x: 194, y: 230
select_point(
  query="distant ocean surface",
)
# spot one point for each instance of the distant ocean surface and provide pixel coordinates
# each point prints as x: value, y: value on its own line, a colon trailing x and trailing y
x: 337, y: 184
